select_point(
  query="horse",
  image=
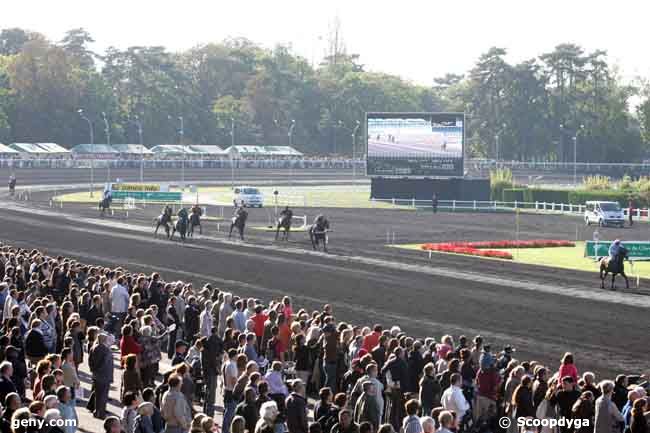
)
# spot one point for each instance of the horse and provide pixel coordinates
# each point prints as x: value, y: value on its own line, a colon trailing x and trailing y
x: 615, y: 266
x: 318, y: 233
x: 284, y: 222
x: 181, y: 226
x: 239, y: 221
x: 195, y: 220
x: 104, y: 204
x: 163, y: 220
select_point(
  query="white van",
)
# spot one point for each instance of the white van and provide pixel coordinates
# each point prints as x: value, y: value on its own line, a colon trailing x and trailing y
x: 604, y: 213
x: 248, y: 196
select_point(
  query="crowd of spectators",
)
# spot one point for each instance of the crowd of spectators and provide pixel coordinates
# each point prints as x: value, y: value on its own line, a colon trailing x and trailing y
x: 275, y: 367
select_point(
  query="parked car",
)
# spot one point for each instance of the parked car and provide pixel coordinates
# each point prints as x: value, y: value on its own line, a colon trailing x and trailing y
x: 604, y: 213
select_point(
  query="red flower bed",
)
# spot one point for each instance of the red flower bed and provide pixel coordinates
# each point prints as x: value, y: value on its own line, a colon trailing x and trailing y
x: 479, y: 248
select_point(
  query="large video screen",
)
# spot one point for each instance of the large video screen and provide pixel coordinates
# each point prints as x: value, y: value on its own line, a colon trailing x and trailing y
x: 415, y: 144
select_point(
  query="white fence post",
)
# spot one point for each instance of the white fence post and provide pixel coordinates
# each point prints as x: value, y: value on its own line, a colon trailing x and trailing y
x: 536, y: 205
x: 393, y: 201
x: 413, y: 202
x: 474, y: 204
x: 453, y: 205
x: 515, y: 204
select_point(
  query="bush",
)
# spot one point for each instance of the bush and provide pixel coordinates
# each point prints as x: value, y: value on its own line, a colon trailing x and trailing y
x: 514, y: 194
x: 500, y: 179
x: 596, y: 183
x: 582, y: 196
x: 543, y: 195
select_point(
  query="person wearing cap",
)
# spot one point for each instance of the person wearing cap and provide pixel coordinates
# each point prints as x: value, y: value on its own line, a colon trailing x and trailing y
x: 505, y: 357
x: 614, y: 249
x: 296, y: 408
x: 488, y: 381
x: 180, y: 349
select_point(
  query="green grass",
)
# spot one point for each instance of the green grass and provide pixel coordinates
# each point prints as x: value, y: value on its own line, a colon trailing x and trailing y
x: 338, y: 196
x: 559, y: 257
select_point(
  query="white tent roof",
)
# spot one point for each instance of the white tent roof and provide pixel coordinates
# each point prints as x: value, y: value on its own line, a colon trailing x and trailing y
x: 6, y: 149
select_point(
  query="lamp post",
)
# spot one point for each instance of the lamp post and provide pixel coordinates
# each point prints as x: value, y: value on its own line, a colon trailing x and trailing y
x: 138, y: 123
x: 92, y: 145
x: 354, y: 149
x: 563, y: 159
x: 181, y: 133
x: 107, y: 131
x: 496, y: 145
x: 290, y: 135
x: 575, y: 154
x: 232, y: 150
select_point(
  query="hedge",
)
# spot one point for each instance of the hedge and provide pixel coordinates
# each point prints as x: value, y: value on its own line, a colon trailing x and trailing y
x: 581, y: 196
x: 514, y: 194
x: 542, y: 195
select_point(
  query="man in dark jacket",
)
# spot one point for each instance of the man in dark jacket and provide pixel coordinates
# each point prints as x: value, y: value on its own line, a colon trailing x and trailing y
x: 6, y: 385
x: 35, y: 348
x: 100, y: 362
x: 367, y: 408
x: 564, y: 398
x: 211, y: 363
x: 296, y: 406
x: 192, y: 320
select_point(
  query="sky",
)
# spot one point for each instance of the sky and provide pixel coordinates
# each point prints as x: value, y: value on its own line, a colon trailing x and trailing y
x: 418, y: 40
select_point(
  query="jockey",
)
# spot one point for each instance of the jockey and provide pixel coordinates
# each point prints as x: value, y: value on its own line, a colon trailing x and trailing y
x: 319, y: 220
x: 286, y: 213
x: 182, y: 213
x: 614, y: 248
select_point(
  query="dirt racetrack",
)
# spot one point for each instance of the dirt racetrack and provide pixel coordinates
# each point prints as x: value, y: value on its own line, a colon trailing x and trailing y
x: 541, y: 312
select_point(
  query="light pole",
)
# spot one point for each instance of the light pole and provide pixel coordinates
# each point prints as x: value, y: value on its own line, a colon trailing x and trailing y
x: 290, y: 135
x: 232, y: 150
x: 138, y: 123
x: 562, y: 158
x: 496, y: 144
x: 107, y: 131
x: 575, y: 154
x: 92, y: 146
x: 181, y: 133
x: 354, y: 149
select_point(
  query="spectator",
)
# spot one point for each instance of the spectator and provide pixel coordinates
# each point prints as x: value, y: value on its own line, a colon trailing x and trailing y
x: 211, y: 357
x: 175, y: 410
x: 411, y: 423
x: 522, y: 399
x: 6, y: 384
x: 430, y: 389
x: 67, y: 408
x: 639, y: 422
x: 446, y: 421
x: 100, y: 362
x: 607, y: 418
x: 453, y: 398
x: 329, y: 343
x: 248, y: 409
x: 143, y: 422
x: 268, y: 418
x: 119, y: 296
x: 35, y: 347
x: 567, y: 368
x: 346, y: 423
x: 131, y: 381
x: 296, y: 406
x: 230, y: 375
x: 367, y: 407
x: 583, y: 409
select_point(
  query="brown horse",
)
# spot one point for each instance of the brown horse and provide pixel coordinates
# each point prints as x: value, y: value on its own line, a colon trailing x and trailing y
x: 614, y: 266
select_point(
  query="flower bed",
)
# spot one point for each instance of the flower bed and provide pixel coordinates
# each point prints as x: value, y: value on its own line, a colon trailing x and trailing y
x: 480, y: 248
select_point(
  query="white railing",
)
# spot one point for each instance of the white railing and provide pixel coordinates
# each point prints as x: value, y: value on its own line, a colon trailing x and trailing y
x: 495, y: 206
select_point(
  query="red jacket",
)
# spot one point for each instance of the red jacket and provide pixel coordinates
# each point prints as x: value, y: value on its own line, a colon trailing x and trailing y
x: 128, y: 345
x: 259, y: 320
x: 370, y: 341
x: 488, y: 382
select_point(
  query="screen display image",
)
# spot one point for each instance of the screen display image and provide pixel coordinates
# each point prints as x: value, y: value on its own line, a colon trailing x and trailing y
x: 415, y: 144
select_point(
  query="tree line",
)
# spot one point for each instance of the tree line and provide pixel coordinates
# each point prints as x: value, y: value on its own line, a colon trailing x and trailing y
x: 528, y: 111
